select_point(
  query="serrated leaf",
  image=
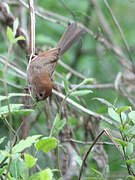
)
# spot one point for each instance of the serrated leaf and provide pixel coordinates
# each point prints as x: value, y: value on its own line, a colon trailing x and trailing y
x: 19, y: 38
x: 81, y: 92
x: 131, y: 116
x: 23, y: 144
x: 104, y: 102
x: 114, y: 115
x: 65, y: 83
x: 124, y: 108
x: 10, y: 35
x: 46, y: 144
x: 46, y: 174
x: 30, y: 160
x: 121, y: 142
x: 15, y: 26
x: 129, y: 149
x: 57, y: 125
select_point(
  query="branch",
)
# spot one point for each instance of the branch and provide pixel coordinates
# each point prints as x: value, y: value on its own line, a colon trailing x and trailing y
x: 96, y: 115
x: 32, y: 29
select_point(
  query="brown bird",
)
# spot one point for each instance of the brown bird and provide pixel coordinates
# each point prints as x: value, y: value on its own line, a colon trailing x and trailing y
x: 41, y: 68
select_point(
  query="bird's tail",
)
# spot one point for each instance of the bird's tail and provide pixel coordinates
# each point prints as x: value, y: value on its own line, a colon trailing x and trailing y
x: 70, y: 36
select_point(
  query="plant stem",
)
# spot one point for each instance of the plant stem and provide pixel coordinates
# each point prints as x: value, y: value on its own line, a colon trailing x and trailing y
x: 68, y: 94
x: 8, y: 104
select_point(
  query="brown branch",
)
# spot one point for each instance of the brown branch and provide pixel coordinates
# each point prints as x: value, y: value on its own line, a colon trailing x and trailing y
x: 94, y: 142
x: 7, y: 19
x: 32, y: 29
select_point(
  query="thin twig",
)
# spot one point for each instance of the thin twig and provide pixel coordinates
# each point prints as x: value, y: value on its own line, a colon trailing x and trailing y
x: 13, y: 85
x: 71, y: 70
x: 3, y: 60
x: 40, y: 15
x: 103, y: 21
x: 32, y: 29
x: 120, y: 56
x: 94, y: 142
x: 85, y: 157
x: 86, y: 143
x: 120, y: 30
x: 8, y: 104
x: 96, y: 115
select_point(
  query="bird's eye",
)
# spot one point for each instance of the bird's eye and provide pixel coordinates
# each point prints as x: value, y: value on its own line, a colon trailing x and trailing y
x: 41, y: 94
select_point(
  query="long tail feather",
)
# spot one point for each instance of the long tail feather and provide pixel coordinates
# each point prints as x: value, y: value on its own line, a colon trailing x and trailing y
x: 71, y: 35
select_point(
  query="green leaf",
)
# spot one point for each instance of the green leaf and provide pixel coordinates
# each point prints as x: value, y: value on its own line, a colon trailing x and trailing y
x: 123, y: 117
x: 23, y: 144
x: 10, y: 177
x: 5, y: 153
x: 57, y: 125
x: 46, y: 174
x: 131, y: 116
x: 36, y: 176
x: 65, y: 83
x: 15, y: 26
x: 10, y: 35
x: 96, y: 172
x: 124, y: 108
x: 15, y: 109
x: 88, y: 81
x: 3, y: 169
x: 2, y: 140
x: 130, y: 131
x: 81, y: 92
x: 129, y: 148
x: 30, y: 160
x: 131, y: 177
x: 19, y: 168
x: 121, y: 142
x: 103, y: 101
x: 46, y: 144
x: 130, y: 161
x: 113, y: 114
x: 19, y: 38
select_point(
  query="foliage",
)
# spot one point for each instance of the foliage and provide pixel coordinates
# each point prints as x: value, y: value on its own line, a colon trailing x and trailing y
x: 95, y: 92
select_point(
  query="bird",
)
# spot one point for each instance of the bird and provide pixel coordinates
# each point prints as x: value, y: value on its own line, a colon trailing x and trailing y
x: 41, y: 68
